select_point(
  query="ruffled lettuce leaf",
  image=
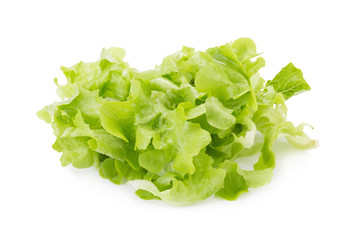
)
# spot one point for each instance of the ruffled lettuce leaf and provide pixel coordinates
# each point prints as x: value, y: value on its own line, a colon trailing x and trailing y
x: 289, y: 81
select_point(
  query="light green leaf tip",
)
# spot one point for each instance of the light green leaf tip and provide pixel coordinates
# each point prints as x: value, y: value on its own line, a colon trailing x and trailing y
x: 289, y: 81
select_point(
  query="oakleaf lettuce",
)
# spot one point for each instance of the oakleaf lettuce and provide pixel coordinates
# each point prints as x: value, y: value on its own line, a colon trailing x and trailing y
x: 174, y: 132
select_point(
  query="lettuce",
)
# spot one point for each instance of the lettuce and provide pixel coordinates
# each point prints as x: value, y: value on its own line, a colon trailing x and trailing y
x: 174, y: 132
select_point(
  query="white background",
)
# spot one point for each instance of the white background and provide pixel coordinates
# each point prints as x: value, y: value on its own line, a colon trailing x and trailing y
x: 314, y: 194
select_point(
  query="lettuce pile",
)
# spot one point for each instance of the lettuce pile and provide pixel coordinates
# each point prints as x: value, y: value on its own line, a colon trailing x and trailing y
x: 174, y: 132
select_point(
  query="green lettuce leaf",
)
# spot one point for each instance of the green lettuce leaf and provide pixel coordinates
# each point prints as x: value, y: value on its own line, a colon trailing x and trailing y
x: 289, y: 81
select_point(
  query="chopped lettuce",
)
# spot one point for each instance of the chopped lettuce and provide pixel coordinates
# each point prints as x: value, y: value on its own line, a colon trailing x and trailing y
x: 174, y: 132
